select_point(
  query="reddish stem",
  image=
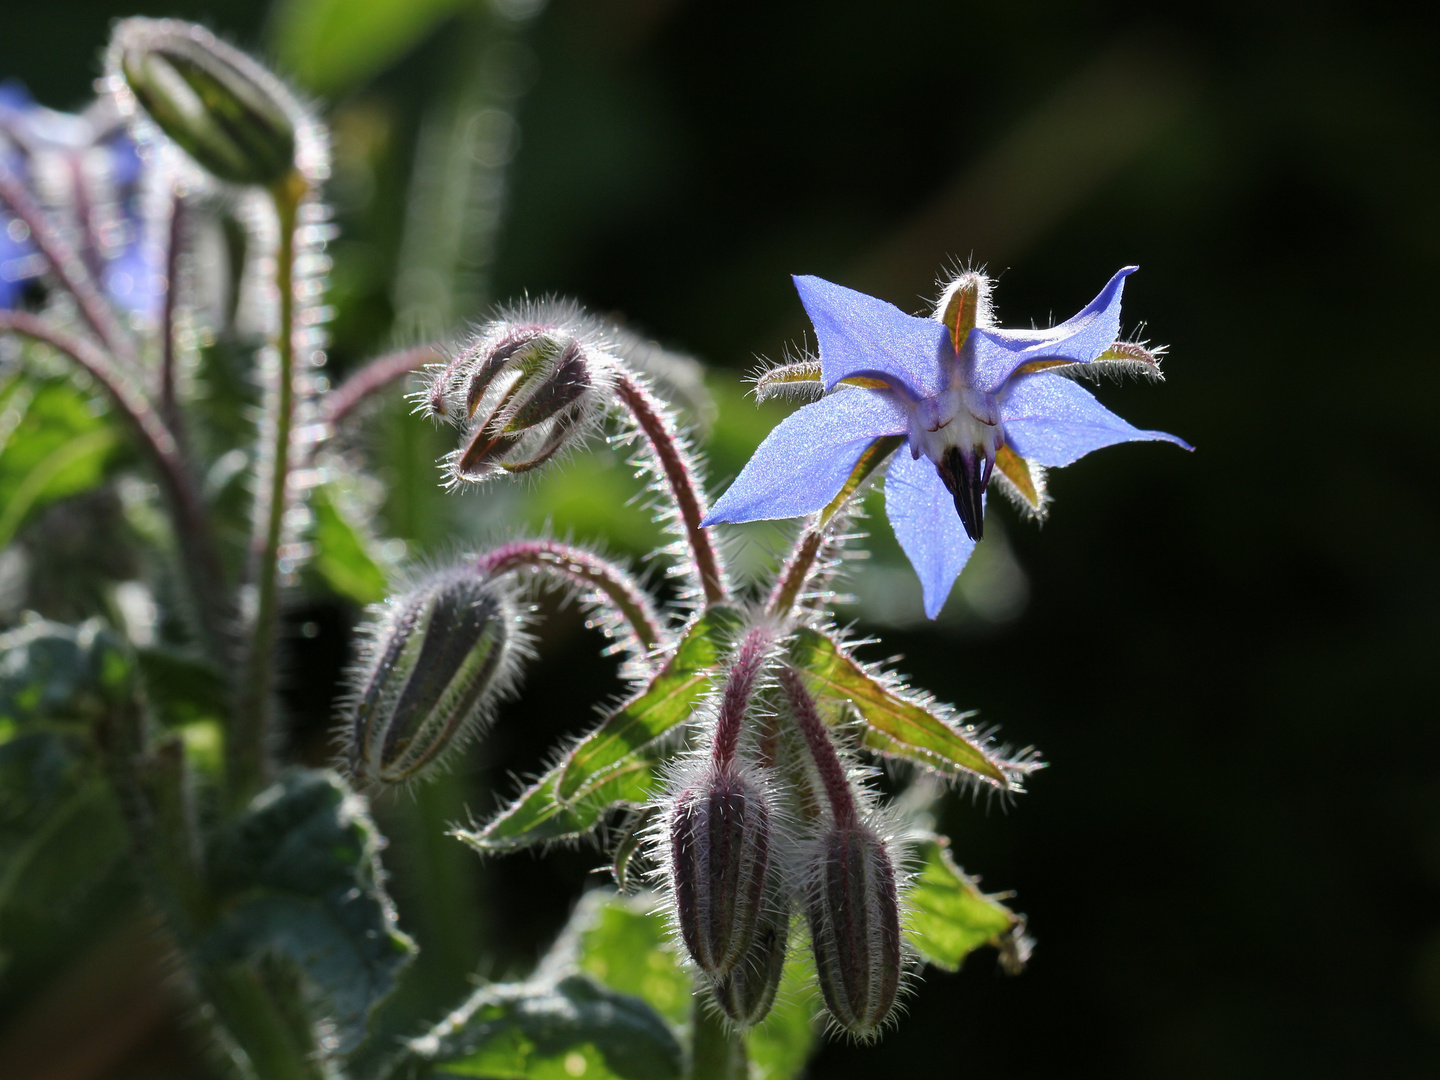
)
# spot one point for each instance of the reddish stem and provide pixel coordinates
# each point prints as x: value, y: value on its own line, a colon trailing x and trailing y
x: 584, y: 568
x: 68, y: 268
x: 827, y: 762
x: 745, y: 668
x: 168, y: 407
x: 192, y: 524
x: 797, y: 570
x: 650, y: 415
x: 375, y: 376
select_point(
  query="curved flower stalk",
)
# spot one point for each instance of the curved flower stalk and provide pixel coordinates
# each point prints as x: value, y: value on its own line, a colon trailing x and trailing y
x: 970, y: 400
x: 538, y: 381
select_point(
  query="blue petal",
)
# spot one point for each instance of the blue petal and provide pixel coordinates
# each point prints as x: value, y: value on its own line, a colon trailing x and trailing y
x: 806, y: 458
x: 1079, y: 339
x: 1051, y: 420
x: 860, y: 335
x: 922, y: 513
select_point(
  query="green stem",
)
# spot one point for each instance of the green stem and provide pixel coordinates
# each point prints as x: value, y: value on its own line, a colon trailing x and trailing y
x: 249, y: 1015
x: 716, y: 1051
x: 248, y: 737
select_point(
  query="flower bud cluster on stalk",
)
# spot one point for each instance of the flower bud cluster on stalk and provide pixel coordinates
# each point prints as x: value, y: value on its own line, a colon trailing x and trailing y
x: 755, y: 833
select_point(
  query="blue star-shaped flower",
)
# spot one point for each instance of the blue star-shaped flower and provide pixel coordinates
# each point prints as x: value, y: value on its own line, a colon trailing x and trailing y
x: 967, y: 397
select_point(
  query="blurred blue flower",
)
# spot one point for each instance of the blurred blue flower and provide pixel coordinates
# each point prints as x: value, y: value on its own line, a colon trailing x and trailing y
x: 86, y: 175
x: 965, y: 395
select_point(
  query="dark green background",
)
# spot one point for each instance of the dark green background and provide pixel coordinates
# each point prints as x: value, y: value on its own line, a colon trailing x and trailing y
x: 1229, y: 658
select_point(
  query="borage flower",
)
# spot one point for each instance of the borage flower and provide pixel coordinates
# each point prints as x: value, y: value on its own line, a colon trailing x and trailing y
x: 973, y: 402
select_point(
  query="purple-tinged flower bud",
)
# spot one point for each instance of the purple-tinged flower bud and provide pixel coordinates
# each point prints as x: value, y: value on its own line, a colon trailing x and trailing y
x: 719, y: 831
x: 436, y: 661
x: 854, y: 913
x: 747, y: 991
x: 222, y: 108
x: 524, y: 392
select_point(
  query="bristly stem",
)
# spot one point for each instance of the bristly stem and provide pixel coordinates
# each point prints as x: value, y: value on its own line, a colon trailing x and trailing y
x: 745, y: 668
x: 374, y: 376
x: 68, y: 268
x: 652, y: 419
x: 790, y: 583
x: 246, y: 745
x: 194, y: 536
x: 822, y: 750
x: 582, y: 567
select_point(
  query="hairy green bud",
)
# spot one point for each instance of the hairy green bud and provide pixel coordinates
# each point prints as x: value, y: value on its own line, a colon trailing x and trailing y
x: 436, y: 660
x: 227, y: 112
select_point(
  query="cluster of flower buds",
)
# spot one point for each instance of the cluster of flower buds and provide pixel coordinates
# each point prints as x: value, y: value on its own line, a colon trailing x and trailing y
x: 751, y: 836
x: 226, y: 111
x: 528, y: 387
x: 436, y: 660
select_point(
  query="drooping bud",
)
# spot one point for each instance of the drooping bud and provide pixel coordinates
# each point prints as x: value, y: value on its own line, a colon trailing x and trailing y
x: 523, y: 392
x: 719, y: 831
x: 222, y: 108
x: 437, y: 659
x: 854, y: 913
x: 747, y: 991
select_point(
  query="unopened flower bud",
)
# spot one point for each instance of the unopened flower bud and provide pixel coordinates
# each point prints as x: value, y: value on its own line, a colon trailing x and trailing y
x: 854, y: 914
x: 436, y: 661
x: 523, y: 391
x: 747, y: 991
x: 719, y: 863
x: 222, y: 108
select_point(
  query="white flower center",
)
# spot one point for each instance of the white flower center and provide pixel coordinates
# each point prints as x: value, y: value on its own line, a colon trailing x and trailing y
x: 957, y: 416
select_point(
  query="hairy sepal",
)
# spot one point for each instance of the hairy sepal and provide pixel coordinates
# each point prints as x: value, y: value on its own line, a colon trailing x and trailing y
x: 898, y: 723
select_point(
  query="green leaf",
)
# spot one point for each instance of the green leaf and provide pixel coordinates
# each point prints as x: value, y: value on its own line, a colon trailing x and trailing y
x: 899, y: 726
x: 343, y: 555
x: 51, y: 445
x: 60, y: 830
x: 53, y: 672
x: 330, y: 45
x: 666, y: 703
x: 301, y: 879
x: 553, y: 1031
x: 950, y: 918
x: 626, y: 944
x: 781, y: 1045
x: 538, y: 817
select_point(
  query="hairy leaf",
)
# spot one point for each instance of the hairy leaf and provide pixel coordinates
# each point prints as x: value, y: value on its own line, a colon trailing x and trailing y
x: 301, y: 880
x: 54, y: 672
x: 949, y: 917
x: 666, y: 703
x: 553, y: 1031
x: 894, y: 725
x: 60, y: 830
x: 625, y: 942
x: 538, y: 817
